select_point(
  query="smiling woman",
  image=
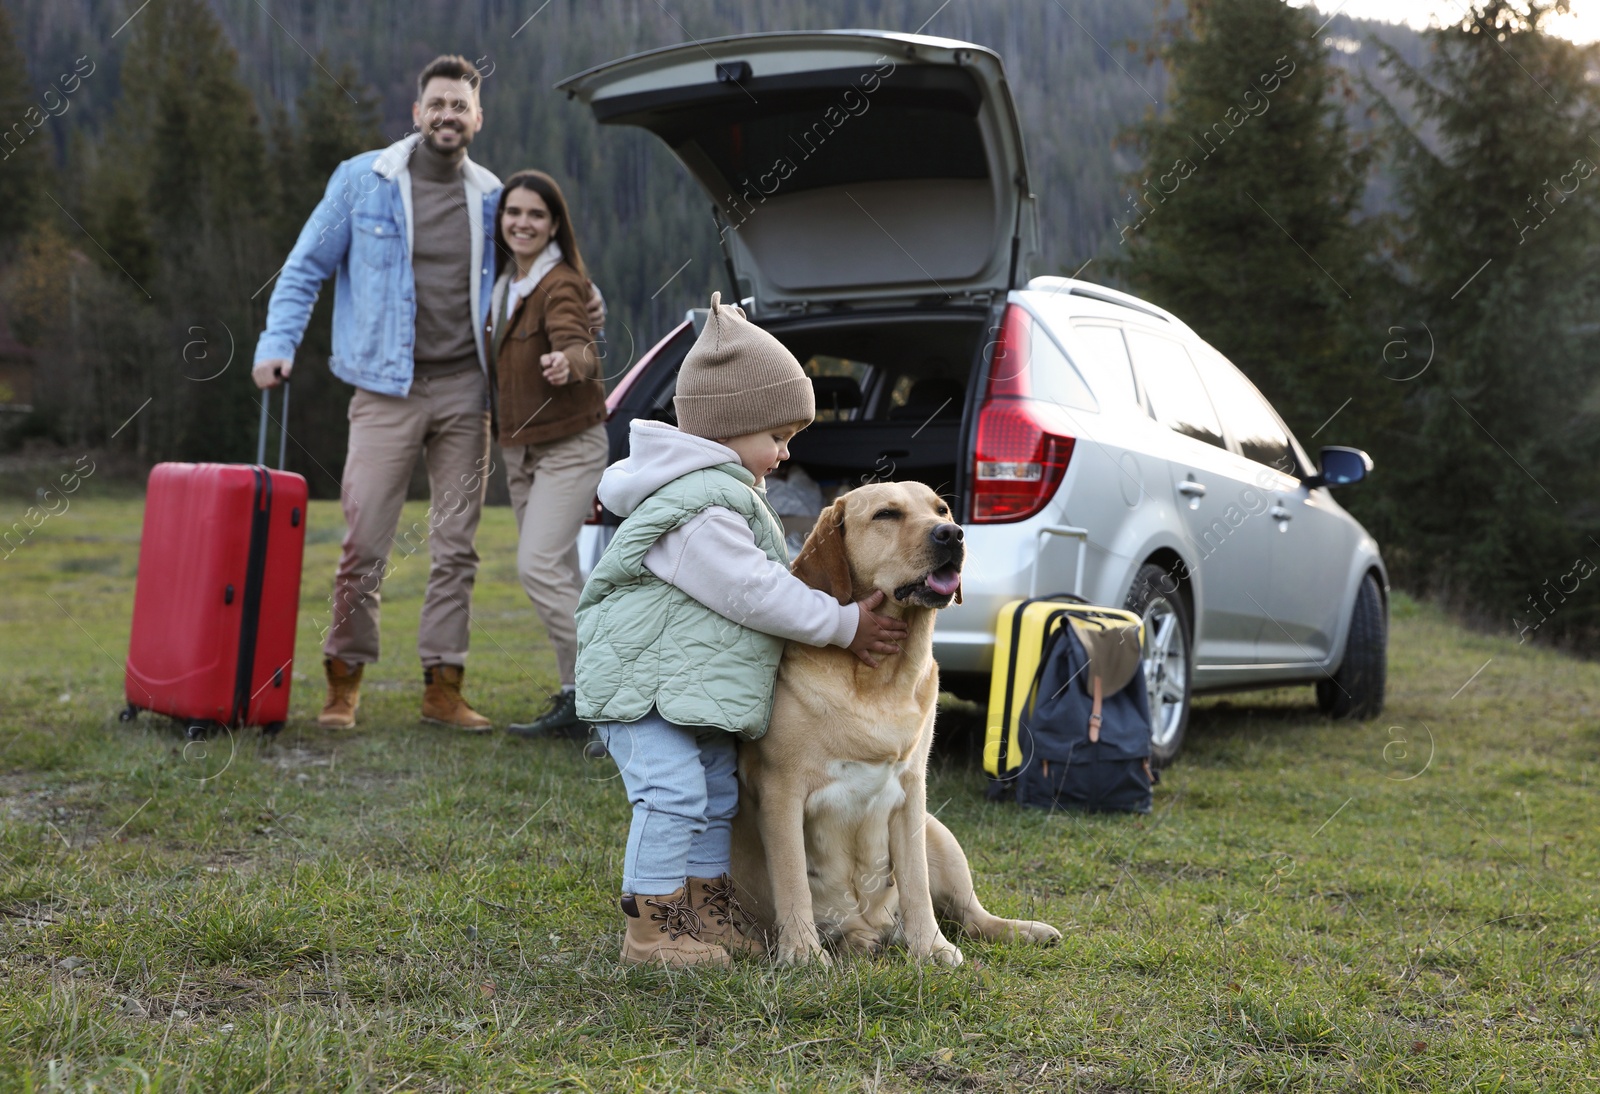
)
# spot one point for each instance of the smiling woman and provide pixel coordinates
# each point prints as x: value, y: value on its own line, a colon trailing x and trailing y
x: 550, y: 409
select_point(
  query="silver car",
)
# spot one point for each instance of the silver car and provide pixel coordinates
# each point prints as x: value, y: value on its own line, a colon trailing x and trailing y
x: 876, y: 216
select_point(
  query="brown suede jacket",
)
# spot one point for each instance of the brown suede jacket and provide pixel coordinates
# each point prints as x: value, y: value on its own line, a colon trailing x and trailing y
x: 531, y: 410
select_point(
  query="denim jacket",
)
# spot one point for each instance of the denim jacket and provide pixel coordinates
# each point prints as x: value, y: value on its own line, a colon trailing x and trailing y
x: 361, y: 234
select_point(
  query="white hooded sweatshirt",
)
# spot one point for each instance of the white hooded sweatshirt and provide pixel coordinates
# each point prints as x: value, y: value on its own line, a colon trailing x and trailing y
x: 713, y: 556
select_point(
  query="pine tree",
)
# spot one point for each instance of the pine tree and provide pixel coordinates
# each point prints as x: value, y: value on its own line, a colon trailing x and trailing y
x: 33, y: 289
x: 24, y: 143
x: 327, y: 127
x: 1500, y: 185
x: 286, y: 178
x: 1241, y: 219
x: 338, y: 118
x: 188, y: 144
x: 330, y: 127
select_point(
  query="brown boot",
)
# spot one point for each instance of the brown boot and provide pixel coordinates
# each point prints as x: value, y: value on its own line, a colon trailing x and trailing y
x: 443, y: 705
x: 668, y: 933
x: 344, y: 694
x: 722, y: 921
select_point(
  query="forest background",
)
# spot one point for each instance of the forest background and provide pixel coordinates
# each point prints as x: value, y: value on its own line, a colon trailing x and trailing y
x: 1398, y: 248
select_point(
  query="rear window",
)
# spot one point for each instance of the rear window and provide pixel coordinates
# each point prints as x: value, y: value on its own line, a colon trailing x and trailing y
x: 1054, y: 378
x: 1096, y: 349
x: 1105, y: 360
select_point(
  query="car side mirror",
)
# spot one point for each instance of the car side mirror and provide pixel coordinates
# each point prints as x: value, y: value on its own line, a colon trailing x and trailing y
x: 1339, y: 466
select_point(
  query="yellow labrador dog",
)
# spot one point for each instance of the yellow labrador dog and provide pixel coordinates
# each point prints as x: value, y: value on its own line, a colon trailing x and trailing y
x: 833, y: 837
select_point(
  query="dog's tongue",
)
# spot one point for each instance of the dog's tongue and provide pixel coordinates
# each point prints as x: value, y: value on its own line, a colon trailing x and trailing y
x: 945, y: 581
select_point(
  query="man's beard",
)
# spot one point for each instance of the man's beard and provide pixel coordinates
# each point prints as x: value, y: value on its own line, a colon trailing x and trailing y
x: 463, y: 134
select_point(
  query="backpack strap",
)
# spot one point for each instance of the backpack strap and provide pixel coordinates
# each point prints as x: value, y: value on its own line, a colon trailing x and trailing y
x: 1024, y: 703
x: 1059, y: 634
x: 1094, y: 713
x: 1052, y: 636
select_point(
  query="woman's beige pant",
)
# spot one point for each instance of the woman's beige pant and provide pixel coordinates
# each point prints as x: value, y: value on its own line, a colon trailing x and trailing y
x: 552, y: 494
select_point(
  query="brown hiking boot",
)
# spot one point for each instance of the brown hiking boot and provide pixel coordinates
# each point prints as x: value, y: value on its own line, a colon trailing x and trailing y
x: 344, y: 694
x: 443, y: 705
x: 722, y: 921
x: 668, y: 933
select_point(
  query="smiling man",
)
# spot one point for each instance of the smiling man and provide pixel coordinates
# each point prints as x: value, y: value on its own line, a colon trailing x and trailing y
x: 407, y: 233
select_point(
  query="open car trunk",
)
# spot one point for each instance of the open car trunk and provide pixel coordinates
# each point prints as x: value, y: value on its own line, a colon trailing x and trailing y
x: 892, y: 398
x: 848, y: 169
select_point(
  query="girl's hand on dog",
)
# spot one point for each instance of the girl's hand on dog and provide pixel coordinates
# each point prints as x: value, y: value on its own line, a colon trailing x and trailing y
x: 881, y: 634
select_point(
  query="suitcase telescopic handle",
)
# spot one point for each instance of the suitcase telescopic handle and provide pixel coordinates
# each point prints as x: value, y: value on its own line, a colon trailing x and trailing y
x: 1079, y: 534
x: 283, y: 427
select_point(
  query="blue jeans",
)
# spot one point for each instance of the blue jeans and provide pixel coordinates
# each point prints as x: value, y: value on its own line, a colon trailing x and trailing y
x: 683, y: 782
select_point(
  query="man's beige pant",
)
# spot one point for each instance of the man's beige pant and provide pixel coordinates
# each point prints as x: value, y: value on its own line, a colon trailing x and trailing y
x: 552, y: 493
x: 445, y: 419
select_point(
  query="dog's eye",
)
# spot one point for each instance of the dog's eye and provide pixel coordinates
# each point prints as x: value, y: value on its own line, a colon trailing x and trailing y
x: 887, y: 514
x: 942, y: 511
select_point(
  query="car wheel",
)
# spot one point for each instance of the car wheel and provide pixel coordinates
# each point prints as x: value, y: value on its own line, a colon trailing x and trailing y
x: 1167, y: 657
x: 1356, y: 690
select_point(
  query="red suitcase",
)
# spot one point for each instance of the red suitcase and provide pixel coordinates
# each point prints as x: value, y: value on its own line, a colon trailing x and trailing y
x: 218, y: 593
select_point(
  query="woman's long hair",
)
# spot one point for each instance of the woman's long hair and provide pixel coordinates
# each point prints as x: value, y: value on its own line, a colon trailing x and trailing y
x: 547, y: 188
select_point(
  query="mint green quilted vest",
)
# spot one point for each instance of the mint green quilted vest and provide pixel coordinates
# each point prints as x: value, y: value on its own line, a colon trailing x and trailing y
x: 643, y: 642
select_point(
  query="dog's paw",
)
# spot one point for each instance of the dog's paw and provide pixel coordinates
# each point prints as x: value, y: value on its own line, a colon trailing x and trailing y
x: 865, y: 942
x: 941, y: 952
x: 803, y: 952
x: 1031, y: 930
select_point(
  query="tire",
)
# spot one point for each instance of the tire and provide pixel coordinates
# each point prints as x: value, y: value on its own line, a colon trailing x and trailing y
x: 1356, y: 690
x: 1168, y: 660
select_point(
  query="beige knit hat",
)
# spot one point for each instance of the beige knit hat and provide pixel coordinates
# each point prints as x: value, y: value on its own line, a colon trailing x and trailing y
x: 739, y: 379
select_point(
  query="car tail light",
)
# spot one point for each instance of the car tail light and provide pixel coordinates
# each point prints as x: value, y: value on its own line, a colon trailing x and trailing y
x: 594, y: 513
x: 1020, y: 458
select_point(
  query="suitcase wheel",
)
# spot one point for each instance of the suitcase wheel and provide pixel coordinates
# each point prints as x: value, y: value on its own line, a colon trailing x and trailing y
x: 128, y: 713
x: 272, y: 729
x: 199, y: 731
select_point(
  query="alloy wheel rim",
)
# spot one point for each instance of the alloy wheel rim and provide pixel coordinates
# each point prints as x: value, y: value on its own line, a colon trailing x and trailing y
x: 1165, y: 670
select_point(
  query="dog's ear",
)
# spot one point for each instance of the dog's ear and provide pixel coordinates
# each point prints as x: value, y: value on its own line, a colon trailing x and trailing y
x: 822, y: 563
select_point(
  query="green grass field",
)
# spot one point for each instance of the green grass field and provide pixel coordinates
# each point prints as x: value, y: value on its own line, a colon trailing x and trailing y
x: 1407, y: 904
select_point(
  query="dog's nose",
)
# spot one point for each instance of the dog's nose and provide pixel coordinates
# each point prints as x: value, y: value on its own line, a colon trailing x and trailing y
x: 946, y: 534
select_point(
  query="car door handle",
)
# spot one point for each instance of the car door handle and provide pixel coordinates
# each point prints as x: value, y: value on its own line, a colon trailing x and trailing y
x: 1191, y: 489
